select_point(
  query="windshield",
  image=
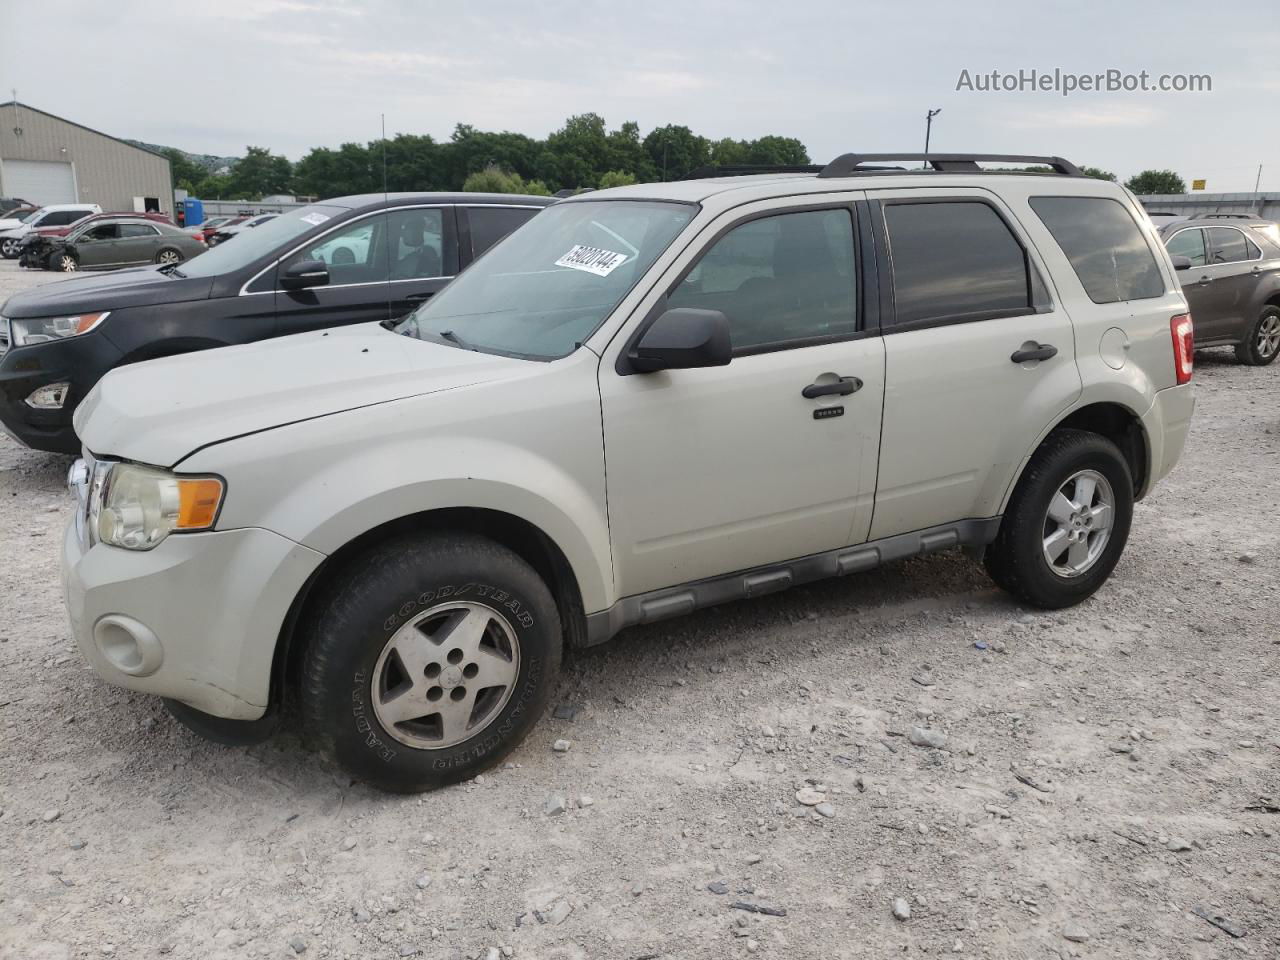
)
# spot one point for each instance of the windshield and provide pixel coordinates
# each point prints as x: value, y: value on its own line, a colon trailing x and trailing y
x: 250, y: 245
x: 544, y: 289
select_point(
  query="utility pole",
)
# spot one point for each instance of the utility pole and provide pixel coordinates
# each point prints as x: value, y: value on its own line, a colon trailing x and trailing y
x: 1257, y: 200
x: 928, y: 128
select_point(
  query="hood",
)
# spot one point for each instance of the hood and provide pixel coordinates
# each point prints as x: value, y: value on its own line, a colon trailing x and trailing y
x: 159, y: 411
x: 92, y: 292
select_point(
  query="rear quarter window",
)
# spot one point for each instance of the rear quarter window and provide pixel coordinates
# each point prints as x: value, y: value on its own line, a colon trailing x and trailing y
x: 1104, y: 245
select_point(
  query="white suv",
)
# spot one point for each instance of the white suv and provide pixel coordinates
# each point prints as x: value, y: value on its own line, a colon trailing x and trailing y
x: 54, y: 215
x: 645, y: 401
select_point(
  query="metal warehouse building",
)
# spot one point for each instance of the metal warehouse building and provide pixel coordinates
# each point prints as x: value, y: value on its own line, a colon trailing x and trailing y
x: 45, y: 159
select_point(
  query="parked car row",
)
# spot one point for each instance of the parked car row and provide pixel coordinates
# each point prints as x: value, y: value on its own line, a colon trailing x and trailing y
x: 644, y: 401
x: 111, y: 241
x: 14, y: 231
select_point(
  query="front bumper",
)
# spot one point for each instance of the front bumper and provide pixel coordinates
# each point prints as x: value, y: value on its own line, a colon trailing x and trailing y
x: 1167, y: 424
x: 80, y: 361
x: 196, y: 619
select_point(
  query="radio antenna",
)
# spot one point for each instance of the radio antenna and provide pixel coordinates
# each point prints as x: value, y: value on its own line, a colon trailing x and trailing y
x: 386, y: 202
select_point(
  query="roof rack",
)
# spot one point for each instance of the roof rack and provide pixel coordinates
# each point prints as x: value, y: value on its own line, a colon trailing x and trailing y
x: 748, y: 169
x: 851, y: 164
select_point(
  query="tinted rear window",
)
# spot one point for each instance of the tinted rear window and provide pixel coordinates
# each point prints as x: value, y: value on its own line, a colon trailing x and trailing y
x: 491, y: 224
x: 1107, y: 250
x: 954, y: 260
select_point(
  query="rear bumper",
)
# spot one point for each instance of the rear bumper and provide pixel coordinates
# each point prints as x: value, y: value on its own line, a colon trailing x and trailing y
x: 196, y: 619
x: 1167, y: 424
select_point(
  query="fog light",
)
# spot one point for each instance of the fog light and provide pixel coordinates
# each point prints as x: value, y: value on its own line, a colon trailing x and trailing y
x: 128, y: 645
x: 49, y: 397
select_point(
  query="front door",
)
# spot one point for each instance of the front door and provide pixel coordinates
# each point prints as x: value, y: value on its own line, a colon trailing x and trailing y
x: 1203, y: 296
x: 711, y: 471
x: 1235, y: 264
x: 960, y: 412
x: 380, y: 266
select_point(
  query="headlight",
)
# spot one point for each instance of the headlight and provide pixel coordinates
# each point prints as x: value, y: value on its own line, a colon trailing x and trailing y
x: 44, y: 329
x: 137, y: 507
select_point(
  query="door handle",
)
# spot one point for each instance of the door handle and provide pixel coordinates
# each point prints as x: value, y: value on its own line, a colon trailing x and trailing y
x: 1205, y: 281
x: 1034, y: 351
x: 836, y: 388
x: 418, y: 297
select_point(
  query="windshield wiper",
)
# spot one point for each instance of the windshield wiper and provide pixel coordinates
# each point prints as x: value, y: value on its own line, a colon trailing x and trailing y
x: 455, y: 339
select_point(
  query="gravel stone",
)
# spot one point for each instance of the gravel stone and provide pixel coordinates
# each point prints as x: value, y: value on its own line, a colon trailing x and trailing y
x: 926, y: 737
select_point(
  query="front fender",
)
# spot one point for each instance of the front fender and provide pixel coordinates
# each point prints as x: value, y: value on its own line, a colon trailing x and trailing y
x: 326, y: 481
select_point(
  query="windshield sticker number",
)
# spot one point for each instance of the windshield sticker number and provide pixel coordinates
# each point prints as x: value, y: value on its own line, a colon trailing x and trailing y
x: 315, y: 219
x: 592, y: 260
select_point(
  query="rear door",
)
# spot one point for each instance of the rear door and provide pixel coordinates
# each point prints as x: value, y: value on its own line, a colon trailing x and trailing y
x: 965, y: 314
x: 138, y: 242
x: 380, y: 265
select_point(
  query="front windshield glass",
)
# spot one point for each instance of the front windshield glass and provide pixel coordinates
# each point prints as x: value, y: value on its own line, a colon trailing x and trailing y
x: 248, y: 245
x: 543, y: 290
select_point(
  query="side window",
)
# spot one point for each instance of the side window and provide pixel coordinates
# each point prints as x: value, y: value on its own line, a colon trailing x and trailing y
x: 60, y: 218
x: 137, y: 230
x: 354, y: 253
x: 1230, y: 246
x: 491, y: 224
x: 1107, y: 250
x: 1189, y: 244
x: 417, y: 243
x: 789, y: 277
x: 955, y: 260
x: 103, y: 231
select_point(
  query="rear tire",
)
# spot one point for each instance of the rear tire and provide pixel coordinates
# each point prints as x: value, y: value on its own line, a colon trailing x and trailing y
x: 168, y: 256
x: 1261, y: 344
x: 429, y: 660
x: 1085, y: 531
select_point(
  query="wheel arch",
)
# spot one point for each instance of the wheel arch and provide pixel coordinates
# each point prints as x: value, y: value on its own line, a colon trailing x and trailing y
x: 528, y: 541
x: 1115, y: 420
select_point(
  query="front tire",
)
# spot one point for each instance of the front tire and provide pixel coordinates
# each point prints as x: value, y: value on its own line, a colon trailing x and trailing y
x: 1067, y: 523
x: 63, y: 263
x: 9, y: 248
x: 1261, y: 344
x: 429, y: 660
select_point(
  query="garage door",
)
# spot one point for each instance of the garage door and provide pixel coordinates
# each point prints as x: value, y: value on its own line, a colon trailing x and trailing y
x: 39, y: 181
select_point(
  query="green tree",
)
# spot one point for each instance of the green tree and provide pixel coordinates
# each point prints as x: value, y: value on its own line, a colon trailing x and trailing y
x: 1097, y: 173
x: 777, y: 151
x: 616, y: 178
x: 337, y: 173
x: 493, y: 179
x: 676, y: 150
x: 186, y: 172
x: 259, y: 173
x: 1150, y: 182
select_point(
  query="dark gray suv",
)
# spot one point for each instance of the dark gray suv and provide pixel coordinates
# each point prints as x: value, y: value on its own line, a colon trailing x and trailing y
x: 1230, y: 273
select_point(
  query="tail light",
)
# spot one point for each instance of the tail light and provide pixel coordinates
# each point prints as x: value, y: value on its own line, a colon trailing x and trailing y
x: 198, y: 236
x: 1183, y: 346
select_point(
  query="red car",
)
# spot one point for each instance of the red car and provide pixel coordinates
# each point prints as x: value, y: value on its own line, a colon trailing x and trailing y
x: 63, y: 231
x: 214, y: 224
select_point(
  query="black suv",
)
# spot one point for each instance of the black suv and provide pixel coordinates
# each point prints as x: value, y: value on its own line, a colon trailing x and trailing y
x: 347, y: 260
x: 1230, y: 273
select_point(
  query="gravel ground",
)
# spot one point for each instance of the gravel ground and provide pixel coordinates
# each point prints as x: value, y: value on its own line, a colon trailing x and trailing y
x: 1105, y: 772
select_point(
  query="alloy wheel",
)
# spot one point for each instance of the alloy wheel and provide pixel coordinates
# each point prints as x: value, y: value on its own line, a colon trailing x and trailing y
x: 1268, y: 338
x: 9, y: 248
x: 445, y: 675
x: 1077, y: 526
x: 168, y: 258
x: 67, y: 263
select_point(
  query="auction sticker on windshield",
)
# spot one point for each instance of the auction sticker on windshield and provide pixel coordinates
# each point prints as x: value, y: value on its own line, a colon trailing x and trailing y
x: 592, y: 260
x: 315, y: 219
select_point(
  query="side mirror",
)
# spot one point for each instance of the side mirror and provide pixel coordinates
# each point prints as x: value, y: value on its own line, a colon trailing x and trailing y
x: 304, y: 273
x: 1181, y: 263
x: 681, y: 339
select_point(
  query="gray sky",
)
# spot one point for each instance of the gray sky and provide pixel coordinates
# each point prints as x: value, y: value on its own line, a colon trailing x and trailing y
x: 292, y: 74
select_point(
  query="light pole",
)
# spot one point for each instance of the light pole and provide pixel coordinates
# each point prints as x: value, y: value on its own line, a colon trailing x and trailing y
x: 928, y: 128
